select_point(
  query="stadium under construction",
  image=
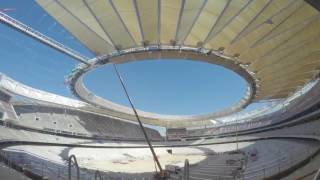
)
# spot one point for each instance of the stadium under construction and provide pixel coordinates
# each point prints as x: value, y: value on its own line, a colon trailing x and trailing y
x: 273, y: 45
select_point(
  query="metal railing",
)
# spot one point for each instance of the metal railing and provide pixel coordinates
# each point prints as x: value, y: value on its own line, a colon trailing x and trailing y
x: 317, y: 176
x: 72, y: 161
x: 48, y: 168
x: 276, y: 166
x: 186, y: 170
x: 41, y: 167
x: 261, y: 171
x: 97, y: 175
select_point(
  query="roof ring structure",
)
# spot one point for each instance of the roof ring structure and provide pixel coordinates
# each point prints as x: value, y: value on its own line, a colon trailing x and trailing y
x: 155, y: 52
x: 270, y: 38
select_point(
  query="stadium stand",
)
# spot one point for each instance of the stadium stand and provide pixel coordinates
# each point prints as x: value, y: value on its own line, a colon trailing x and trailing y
x: 254, y: 170
x: 299, y: 107
x: 6, y: 108
x: 8, y: 173
x: 70, y: 121
x: 176, y: 133
x: 253, y: 160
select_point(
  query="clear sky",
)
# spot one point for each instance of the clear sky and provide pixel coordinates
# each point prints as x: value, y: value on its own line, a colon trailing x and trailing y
x: 161, y: 86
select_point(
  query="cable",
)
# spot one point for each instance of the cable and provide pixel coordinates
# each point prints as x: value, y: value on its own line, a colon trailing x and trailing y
x: 137, y: 116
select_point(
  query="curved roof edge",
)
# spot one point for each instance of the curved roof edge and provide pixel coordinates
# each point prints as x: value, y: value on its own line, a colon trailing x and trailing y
x: 167, y: 52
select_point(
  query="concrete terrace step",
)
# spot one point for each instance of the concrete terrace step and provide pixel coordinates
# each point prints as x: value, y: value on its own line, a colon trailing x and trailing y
x: 210, y: 175
x: 7, y: 174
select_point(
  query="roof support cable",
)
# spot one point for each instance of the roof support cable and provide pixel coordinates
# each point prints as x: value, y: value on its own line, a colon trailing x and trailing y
x: 20, y: 27
x: 186, y: 170
x: 162, y: 172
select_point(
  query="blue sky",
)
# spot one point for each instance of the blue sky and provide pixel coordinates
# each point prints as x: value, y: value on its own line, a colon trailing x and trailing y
x: 161, y: 86
x: 170, y: 86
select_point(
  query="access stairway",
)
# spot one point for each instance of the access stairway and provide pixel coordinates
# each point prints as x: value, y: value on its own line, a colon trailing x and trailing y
x: 214, y: 167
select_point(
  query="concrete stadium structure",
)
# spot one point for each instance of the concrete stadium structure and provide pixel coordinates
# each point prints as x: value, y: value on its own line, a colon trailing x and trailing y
x: 272, y: 44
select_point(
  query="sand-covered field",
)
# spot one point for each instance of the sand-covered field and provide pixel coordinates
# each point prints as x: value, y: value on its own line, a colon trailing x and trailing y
x: 134, y: 160
x: 128, y: 160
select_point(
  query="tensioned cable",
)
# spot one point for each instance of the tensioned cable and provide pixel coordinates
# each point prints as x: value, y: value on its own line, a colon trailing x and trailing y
x: 19, y: 26
x: 155, y: 158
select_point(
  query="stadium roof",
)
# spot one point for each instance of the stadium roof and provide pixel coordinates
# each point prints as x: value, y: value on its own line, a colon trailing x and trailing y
x: 272, y: 44
x: 277, y: 39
